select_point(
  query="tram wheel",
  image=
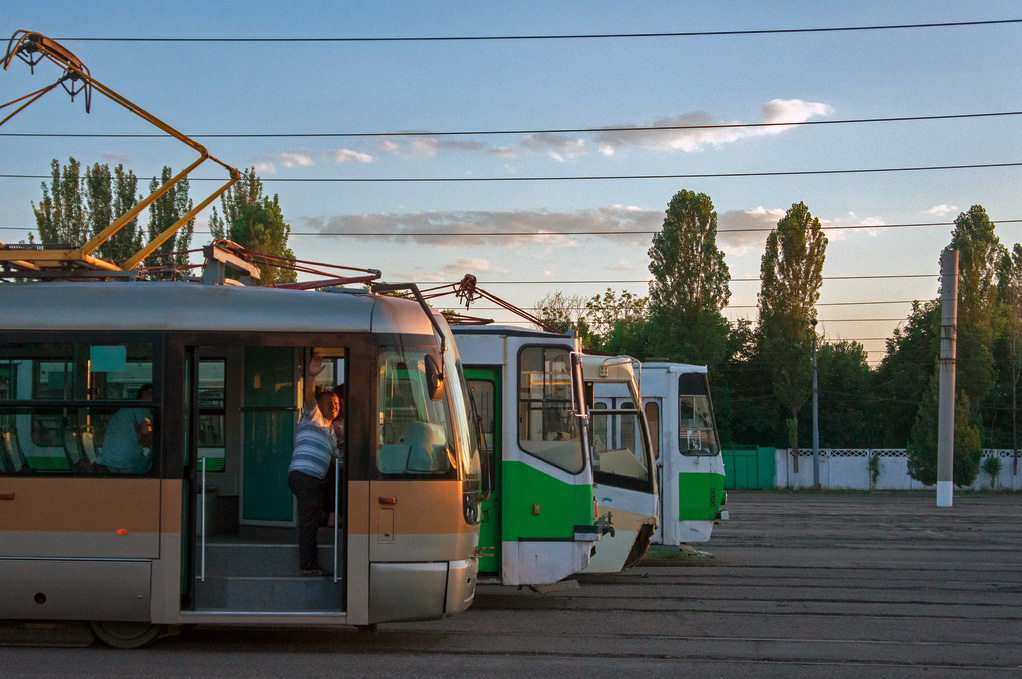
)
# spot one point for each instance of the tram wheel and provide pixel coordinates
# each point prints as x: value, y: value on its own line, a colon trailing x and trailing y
x: 126, y: 634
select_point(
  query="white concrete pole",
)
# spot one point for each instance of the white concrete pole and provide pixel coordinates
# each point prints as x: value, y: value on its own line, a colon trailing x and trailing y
x: 946, y: 412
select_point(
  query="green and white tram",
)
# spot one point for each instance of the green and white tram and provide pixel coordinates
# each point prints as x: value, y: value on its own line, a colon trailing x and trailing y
x: 622, y: 458
x: 539, y: 525
x: 202, y: 530
x: 679, y: 410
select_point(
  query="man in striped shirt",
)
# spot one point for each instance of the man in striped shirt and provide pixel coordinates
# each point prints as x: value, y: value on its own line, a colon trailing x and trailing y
x: 315, y: 446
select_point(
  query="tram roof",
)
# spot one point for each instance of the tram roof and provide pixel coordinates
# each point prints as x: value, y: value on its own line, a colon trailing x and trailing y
x: 505, y: 331
x: 673, y: 367
x: 149, y: 305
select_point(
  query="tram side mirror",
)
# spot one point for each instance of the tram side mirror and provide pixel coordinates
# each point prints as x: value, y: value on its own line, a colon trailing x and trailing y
x: 434, y: 379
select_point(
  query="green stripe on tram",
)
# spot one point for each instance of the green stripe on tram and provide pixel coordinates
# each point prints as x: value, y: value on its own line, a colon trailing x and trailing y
x: 699, y: 495
x: 562, y: 505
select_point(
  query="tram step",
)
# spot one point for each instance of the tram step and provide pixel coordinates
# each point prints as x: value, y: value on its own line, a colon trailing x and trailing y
x: 258, y: 560
x: 261, y: 594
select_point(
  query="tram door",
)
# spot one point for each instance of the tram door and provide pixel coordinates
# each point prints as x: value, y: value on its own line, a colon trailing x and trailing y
x: 484, y: 386
x: 652, y: 407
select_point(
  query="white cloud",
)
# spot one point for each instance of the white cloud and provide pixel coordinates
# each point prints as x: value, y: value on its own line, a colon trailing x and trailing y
x: 515, y: 226
x: 264, y: 167
x: 693, y: 140
x: 427, y: 147
x: 347, y: 155
x: 293, y: 159
x: 942, y: 209
x: 110, y: 157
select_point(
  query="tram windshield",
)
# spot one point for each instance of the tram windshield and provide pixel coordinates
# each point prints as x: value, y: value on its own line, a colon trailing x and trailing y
x: 617, y: 438
x: 415, y: 435
x: 697, y: 432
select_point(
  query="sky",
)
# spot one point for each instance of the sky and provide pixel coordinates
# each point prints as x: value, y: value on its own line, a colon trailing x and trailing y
x: 303, y: 87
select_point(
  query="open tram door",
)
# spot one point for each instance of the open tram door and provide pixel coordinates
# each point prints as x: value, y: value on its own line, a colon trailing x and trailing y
x: 623, y: 465
x: 243, y: 403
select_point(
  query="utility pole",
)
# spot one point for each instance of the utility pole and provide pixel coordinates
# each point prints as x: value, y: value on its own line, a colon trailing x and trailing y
x: 816, y: 414
x: 946, y: 408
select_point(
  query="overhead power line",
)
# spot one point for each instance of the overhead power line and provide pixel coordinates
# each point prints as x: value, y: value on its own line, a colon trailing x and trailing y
x: 563, y: 36
x: 701, y: 175
x: 515, y: 234
x: 478, y: 133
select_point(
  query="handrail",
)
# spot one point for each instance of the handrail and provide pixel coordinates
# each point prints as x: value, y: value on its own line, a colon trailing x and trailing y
x: 337, y: 514
x: 202, y: 524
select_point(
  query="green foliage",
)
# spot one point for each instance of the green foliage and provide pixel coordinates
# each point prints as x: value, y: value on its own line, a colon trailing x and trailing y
x: 68, y: 215
x: 60, y: 216
x: 566, y: 313
x: 905, y: 372
x: 109, y: 197
x: 254, y: 221
x: 792, y: 274
x: 922, y: 444
x: 874, y: 470
x: 690, y: 283
x: 992, y: 467
x: 845, y: 390
x: 689, y: 271
x: 979, y: 250
x: 167, y: 210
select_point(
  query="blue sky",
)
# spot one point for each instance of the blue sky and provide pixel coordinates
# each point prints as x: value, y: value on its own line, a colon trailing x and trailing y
x: 262, y: 88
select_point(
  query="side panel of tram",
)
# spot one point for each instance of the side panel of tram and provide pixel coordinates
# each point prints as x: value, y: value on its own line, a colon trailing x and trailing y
x: 538, y: 525
x: 84, y: 539
x: 689, y: 460
x: 623, y: 465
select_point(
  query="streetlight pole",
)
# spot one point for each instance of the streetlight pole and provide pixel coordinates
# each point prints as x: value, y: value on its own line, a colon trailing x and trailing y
x: 816, y: 414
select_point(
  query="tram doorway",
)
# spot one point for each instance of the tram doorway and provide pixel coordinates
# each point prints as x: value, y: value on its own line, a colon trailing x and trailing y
x: 243, y: 406
x: 484, y: 386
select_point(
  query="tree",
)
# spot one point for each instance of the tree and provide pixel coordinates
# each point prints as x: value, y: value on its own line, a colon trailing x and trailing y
x: 845, y: 382
x: 905, y: 372
x: 60, y: 216
x: 690, y: 282
x: 565, y: 313
x: 1009, y: 293
x: 618, y: 323
x: 167, y: 210
x: 979, y: 250
x: 107, y: 198
x: 255, y: 222
x: 791, y: 274
x: 922, y: 444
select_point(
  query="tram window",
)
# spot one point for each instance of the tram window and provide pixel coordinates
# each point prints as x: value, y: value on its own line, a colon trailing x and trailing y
x: 617, y: 443
x: 116, y: 372
x: 653, y: 421
x: 546, y: 424
x: 414, y: 435
x: 696, y: 432
x: 47, y: 426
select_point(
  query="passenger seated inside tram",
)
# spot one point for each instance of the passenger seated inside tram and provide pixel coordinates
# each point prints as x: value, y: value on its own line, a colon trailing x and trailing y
x: 128, y: 437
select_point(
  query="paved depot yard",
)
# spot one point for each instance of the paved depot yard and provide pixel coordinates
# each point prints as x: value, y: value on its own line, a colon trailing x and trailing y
x: 798, y: 585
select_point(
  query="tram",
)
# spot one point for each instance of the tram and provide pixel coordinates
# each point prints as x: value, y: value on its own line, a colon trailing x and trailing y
x: 689, y: 462
x: 539, y: 526
x: 202, y: 528
x: 623, y: 465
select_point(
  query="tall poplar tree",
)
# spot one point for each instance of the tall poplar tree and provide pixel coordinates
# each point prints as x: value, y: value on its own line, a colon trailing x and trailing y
x: 792, y: 274
x: 165, y: 211
x: 690, y: 282
x: 254, y: 221
x: 61, y: 215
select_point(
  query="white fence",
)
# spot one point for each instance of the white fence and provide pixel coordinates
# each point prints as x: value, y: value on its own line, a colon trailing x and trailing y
x: 848, y: 468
